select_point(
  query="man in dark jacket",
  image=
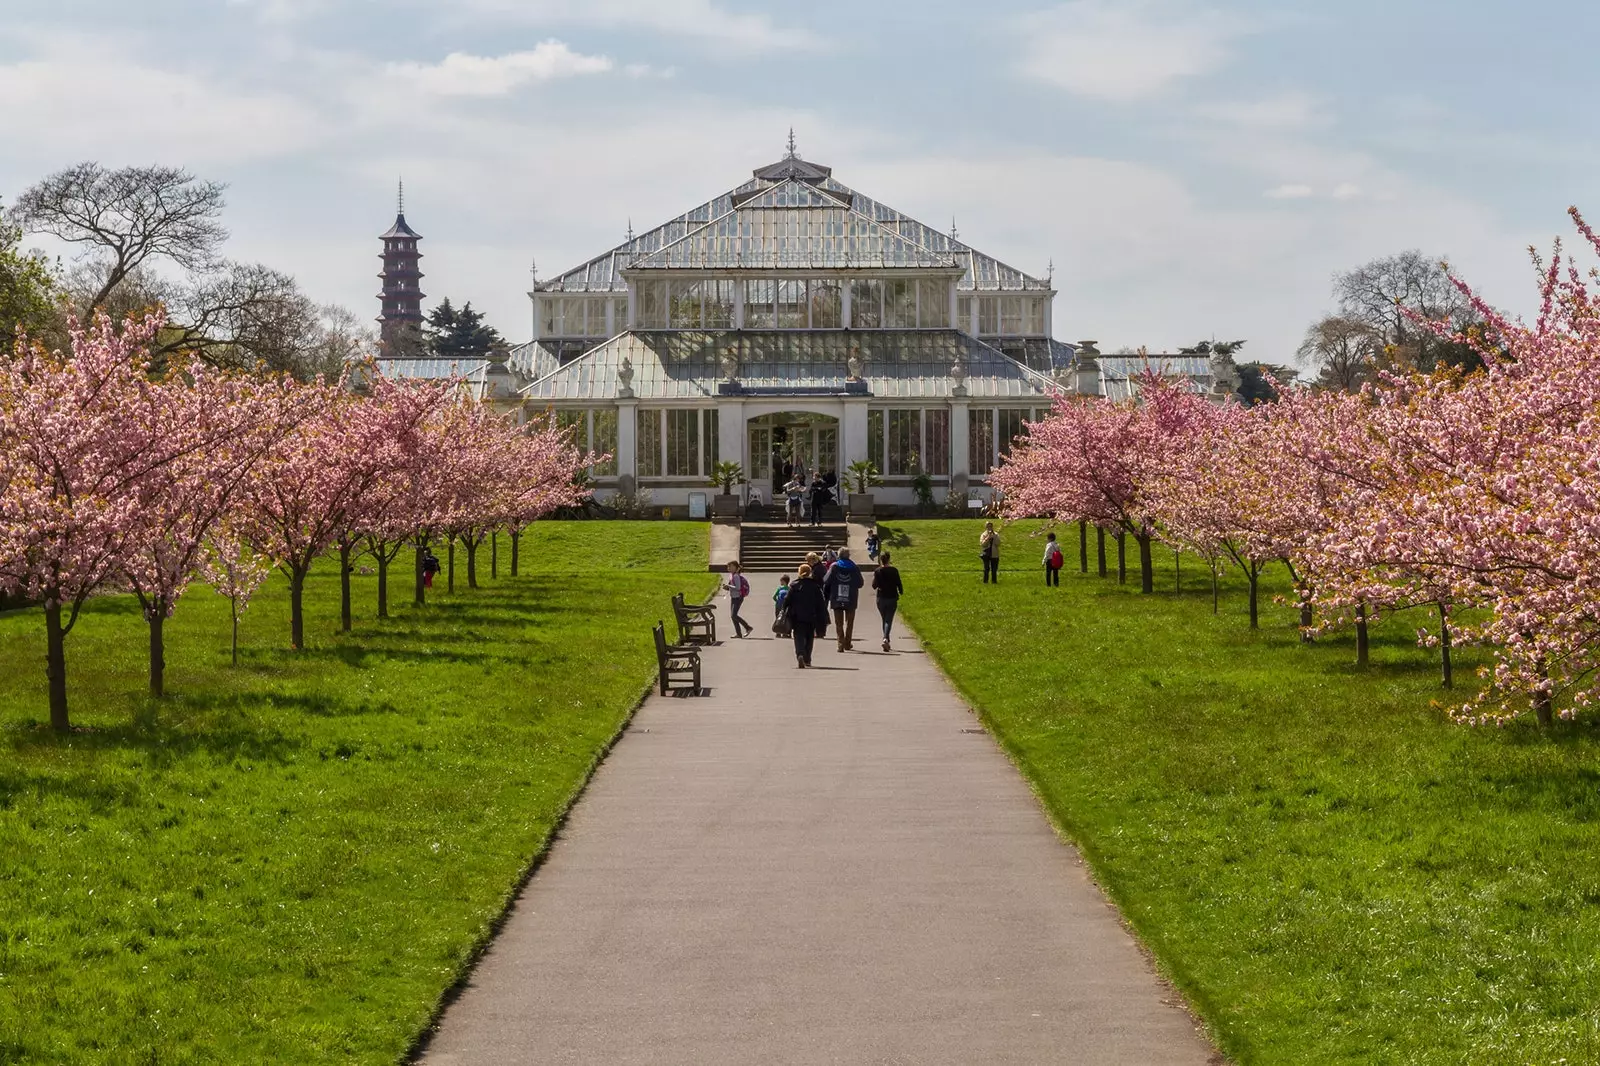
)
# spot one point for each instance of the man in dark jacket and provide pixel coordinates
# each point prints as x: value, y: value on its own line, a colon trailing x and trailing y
x: 806, y: 607
x: 843, y: 586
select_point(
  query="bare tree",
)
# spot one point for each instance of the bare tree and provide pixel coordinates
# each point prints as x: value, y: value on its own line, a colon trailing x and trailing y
x: 1384, y: 294
x: 1344, y: 350
x: 127, y: 218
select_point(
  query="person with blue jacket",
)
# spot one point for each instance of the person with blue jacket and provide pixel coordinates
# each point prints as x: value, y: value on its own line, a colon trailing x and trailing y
x: 843, y: 588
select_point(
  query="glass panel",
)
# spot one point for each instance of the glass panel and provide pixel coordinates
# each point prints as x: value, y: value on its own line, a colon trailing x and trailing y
x: 792, y: 304
x: 549, y: 315
x: 905, y: 437
x: 647, y: 442
x: 568, y: 418
x: 900, y: 304
x: 988, y: 316
x: 760, y: 455
x: 719, y: 303
x: 758, y: 299
x: 605, y: 440
x: 933, y: 304
x: 652, y: 304
x: 684, y: 311
x: 866, y: 304
x: 963, y: 312
x: 713, y: 449
x: 828, y: 448
x: 936, y: 441
x: 619, y: 314
x: 1036, y: 308
x: 875, y: 438
x: 1011, y: 319
x: 980, y: 441
x: 826, y: 306
x: 683, y: 442
x: 1009, y: 424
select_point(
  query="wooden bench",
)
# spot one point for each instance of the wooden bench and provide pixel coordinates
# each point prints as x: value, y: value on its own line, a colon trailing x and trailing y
x: 676, y: 664
x: 696, y: 624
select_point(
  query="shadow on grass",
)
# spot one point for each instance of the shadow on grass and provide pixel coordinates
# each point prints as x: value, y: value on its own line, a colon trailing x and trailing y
x: 164, y: 739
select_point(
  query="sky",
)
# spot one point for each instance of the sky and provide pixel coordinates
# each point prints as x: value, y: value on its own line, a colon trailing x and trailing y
x: 1192, y: 170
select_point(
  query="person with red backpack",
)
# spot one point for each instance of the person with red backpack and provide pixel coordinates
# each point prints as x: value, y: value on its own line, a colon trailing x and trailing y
x: 738, y: 588
x: 1052, y: 561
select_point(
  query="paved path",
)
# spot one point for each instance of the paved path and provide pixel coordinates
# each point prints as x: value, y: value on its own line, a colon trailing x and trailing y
x: 830, y: 866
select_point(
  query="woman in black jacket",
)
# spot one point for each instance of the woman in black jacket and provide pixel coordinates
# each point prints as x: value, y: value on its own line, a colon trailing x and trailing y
x: 807, y: 610
x: 886, y: 583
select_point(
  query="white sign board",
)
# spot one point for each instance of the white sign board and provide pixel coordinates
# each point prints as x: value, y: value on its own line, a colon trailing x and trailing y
x: 697, y: 506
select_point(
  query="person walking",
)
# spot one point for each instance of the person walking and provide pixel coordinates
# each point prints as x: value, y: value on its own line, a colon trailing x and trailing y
x: 794, y: 495
x: 738, y: 588
x: 989, y: 552
x: 820, y: 498
x: 806, y: 608
x: 886, y: 584
x: 1052, y: 561
x: 873, y: 543
x: 843, y: 586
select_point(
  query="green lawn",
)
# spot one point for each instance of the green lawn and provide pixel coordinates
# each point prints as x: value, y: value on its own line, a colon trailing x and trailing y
x: 1330, y: 870
x: 291, y: 861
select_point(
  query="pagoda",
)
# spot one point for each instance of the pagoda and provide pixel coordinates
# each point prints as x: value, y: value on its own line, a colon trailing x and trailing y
x: 400, y: 324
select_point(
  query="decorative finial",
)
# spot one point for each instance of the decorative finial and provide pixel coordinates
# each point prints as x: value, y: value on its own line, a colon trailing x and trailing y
x: 793, y: 154
x: 955, y: 234
x: 533, y: 270
x: 400, y: 198
x: 630, y: 229
x: 1050, y: 271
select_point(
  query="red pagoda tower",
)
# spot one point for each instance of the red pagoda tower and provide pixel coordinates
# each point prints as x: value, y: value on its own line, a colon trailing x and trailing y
x: 400, y: 324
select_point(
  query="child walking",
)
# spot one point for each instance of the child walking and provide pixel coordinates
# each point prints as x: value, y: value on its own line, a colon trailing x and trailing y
x: 1052, y: 561
x: 738, y: 588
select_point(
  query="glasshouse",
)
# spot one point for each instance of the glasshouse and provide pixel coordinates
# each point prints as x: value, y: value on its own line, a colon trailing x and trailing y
x: 796, y: 325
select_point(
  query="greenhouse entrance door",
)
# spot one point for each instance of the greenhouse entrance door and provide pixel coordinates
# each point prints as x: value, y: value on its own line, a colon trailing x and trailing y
x: 785, y: 444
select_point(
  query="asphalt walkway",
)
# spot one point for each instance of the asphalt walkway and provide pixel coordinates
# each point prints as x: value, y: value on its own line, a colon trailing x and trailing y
x: 826, y: 866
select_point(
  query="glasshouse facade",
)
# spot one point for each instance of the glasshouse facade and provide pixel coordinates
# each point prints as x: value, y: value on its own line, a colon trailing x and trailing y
x: 795, y: 324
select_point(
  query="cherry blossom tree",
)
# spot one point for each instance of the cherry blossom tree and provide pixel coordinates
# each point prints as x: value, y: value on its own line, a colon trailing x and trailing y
x: 234, y: 571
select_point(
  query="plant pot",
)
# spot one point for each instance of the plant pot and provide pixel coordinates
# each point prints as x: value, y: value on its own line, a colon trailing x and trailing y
x: 861, y: 505
x: 730, y: 504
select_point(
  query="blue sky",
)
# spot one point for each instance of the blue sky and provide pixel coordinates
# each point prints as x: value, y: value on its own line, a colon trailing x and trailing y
x: 1193, y: 169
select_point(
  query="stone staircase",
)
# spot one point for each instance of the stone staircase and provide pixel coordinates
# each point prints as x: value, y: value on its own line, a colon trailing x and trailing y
x: 772, y: 547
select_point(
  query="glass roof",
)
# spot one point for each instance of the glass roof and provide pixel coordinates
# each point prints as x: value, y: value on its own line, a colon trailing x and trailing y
x: 803, y: 187
x: 687, y: 364
x: 1117, y: 372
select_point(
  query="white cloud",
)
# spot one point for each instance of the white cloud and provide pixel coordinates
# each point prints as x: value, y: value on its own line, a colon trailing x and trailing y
x: 1346, y: 191
x: 460, y: 74
x: 1289, y: 192
x: 681, y: 18
x: 1286, y: 111
x: 1125, y: 50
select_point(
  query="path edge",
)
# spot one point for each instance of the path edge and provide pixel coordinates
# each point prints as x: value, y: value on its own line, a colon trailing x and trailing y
x: 1168, y: 975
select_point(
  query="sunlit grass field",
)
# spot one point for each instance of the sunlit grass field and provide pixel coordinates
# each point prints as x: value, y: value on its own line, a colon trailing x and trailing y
x: 291, y: 861
x: 1329, y: 869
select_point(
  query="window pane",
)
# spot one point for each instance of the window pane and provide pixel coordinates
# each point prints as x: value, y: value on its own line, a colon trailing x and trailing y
x: 792, y: 304
x: 826, y: 305
x: 905, y: 433
x: 1009, y: 425
x: 866, y: 304
x: 568, y: 419
x: 683, y: 443
x: 758, y: 299
x: 933, y: 304
x: 548, y: 315
x: 685, y: 307
x: 936, y: 445
x: 900, y: 304
x: 1036, y: 308
x: 760, y: 471
x: 652, y: 304
x: 605, y: 440
x: 719, y: 303
x: 988, y: 316
x: 619, y: 314
x: 963, y: 312
x: 1011, y: 321
x: 980, y: 441
x: 875, y: 438
x: 712, y: 445
x: 647, y: 443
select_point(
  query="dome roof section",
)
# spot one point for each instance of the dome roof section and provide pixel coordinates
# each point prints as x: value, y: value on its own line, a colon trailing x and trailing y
x: 400, y: 229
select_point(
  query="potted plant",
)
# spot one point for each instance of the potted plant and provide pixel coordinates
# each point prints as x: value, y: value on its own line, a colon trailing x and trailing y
x: 725, y: 475
x: 861, y: 476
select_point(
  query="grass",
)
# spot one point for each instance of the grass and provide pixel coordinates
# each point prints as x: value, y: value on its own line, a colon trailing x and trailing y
x: 1329, y: 869
x: 291, y: 861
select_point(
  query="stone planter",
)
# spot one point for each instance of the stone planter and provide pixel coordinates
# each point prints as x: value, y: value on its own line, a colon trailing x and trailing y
x: 861, y: 505
x: 730, y: 504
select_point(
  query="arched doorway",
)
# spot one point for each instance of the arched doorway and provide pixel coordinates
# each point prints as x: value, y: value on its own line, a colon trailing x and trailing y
x: 789, y: 442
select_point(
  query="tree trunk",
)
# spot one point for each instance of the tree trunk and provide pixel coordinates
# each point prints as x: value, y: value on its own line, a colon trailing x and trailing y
x: 344, y: 586
x: 450, y: 554
x: 55, y: 666
x: 233, y: 612
x: 156, y: 615
x: 1122, y: 557
x: 516, y: 543
x: 1083, y: 547
x: 494, y: 555
x: 472, y: 562
x: 383, y: 579
x: 1213, y: 587
x: 1100, y: 548
x: 1253, y: 573
x: 1147, y: 566
x: 1177, y: 569
x: 1305, y: 603
x: 1543, y: 705
x: 1361, y: 634
x: 1446, y: 670
x: 421, y: 599
x: 297, y: 621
